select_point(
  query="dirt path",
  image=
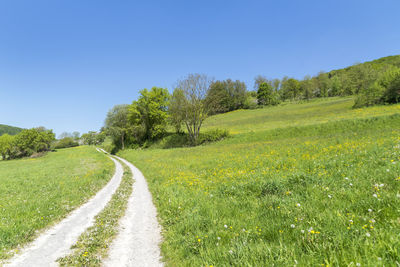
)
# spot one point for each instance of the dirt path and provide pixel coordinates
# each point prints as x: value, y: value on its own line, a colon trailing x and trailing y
x: 56, y: 241
x: 137, y: 243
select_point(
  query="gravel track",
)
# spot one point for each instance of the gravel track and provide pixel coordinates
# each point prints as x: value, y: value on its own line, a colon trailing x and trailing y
x: 137, y: 243
x: 57, y: 240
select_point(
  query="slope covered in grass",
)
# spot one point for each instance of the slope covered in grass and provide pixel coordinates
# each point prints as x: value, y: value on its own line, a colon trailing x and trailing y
x: 324, y: 193
x: 37, y: 192
x: 11, y: 130
x: 313, y: 112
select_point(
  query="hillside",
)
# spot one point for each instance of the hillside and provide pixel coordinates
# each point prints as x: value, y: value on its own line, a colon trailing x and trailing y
x: 376, y: 64
x: 11, y: 130
x: 307, y: 184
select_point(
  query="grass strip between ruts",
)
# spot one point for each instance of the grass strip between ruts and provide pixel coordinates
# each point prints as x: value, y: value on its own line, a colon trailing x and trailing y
x: 92, y: 246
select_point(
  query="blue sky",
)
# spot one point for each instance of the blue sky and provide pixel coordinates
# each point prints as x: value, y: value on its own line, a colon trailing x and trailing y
x: 65, y: 63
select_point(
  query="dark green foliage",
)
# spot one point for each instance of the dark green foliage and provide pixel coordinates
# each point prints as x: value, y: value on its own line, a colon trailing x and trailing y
x: 26, y: 143
x: 266, y: 95
x: 224, y: 96
x: 290, y: 89
x: 65, y: 143
x: 358, y: 79
x: 11, y: 130
x: 183, y: 139
x: 116, y: 124
x: 386, y: 89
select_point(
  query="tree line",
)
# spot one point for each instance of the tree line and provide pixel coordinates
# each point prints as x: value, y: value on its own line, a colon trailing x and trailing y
x: 26, y: 143
x: 197, y: 96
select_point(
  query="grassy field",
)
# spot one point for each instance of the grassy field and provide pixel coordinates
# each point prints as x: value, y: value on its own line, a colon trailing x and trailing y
x: 327, y: 193
x: 313, y: 112
x: 36, y: 192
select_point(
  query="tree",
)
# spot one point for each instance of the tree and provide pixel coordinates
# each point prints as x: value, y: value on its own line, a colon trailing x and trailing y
x: 266, y: 95
x: 336, y: 86
x: 116, y: 124
x: 30, y: 141
x: 6, y: 145
x: 307, y: 87
x: 275, y: 83
x: 194, y: 110
x: 76, y: 135
x: 176, y: 109
x: 290, y: 88
x: 258, y: 80
x: 224, y: 96
x: 149, y: 112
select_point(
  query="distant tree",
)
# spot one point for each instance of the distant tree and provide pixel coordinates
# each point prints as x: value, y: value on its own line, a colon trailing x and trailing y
x: 116, y: 124
x: 290, y: 89
x: 64, y: 135
x: 323, y: 84
x: 275, y: 83
x: 224, y: 96
x: 194, y: 111
x: 307, y: 87
x: 30, y: 141
x: 65, y: 143
x: 90, y: 138
x: 258, y: 80
x: 6, y: 145
x: 149, y: 112
x: 176, y: 109
x: 386, y: 89
x: 76, y: 135
x: 336, y: 86
x: 266, y: 95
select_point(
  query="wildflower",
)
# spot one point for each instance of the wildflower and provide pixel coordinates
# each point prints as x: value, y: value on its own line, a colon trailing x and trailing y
x: 381, y: 185
x: 375, y: 195
x: 302, y: 231
x: 369, y: 210
x: 219, y: 238
x: 244, y: 230
x: 329, y: 196
x: 292, y: 225
x: 372, y: 221
x: 351, y: 184
x: 379, y: 258
x: 226, y: 226
x: 351, y: 221
x: 298, y: 205
x: 358, y: 264
x: 346, y: 178
x: 231, y: 251
x: 281, y: 231
x: 368, y: 234
x: 199, y: 240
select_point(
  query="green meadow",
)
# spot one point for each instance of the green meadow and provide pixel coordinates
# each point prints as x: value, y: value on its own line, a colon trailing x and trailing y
x: 307, y: 184
x: 37, y: 192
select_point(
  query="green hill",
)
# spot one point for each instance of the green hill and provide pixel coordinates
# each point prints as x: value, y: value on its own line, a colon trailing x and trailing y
x: 11, y: 130
x: 309, y: 184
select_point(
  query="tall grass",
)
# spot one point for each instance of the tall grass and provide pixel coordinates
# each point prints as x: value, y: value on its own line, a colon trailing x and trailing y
x: 37, y: 192
x: 321, y: 194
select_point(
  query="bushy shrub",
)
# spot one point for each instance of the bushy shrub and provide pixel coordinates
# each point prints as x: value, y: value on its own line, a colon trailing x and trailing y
x: 212, y: 136
x: 65, y: 143
x: 250, y: 103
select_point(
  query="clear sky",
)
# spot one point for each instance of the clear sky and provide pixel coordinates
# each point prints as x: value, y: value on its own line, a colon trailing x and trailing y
x: 65, y: 63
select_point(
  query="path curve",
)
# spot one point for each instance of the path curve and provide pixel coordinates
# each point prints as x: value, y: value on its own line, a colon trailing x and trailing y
x: 57, y: 241
x: 139, y: 237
